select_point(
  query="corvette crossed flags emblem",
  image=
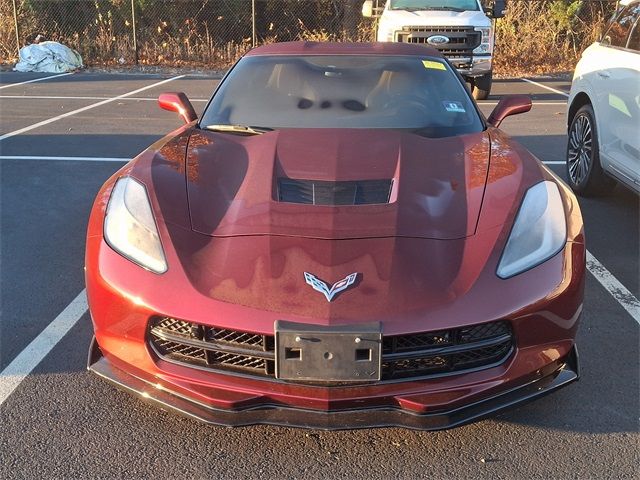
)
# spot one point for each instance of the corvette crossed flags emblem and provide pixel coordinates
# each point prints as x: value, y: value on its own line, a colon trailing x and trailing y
x: 330, y: 292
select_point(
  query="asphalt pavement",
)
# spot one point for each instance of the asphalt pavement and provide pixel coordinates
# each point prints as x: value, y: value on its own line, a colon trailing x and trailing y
x: 61, y: 422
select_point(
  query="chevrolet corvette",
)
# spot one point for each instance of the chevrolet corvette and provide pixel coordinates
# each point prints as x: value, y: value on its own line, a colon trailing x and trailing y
x: 341, y: 240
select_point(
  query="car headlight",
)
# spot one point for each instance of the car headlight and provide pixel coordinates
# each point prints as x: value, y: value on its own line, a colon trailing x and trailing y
x: 129, y: 226
x: 538, y: 233
x: 486, y: 40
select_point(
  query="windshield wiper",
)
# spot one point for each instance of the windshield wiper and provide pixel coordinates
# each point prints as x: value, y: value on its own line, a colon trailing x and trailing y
x: 248, y: 129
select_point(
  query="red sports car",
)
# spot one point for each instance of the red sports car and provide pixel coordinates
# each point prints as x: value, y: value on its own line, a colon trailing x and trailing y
x: 342, y: 240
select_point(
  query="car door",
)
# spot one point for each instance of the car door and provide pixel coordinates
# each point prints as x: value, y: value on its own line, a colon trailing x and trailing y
x: 617, y: 87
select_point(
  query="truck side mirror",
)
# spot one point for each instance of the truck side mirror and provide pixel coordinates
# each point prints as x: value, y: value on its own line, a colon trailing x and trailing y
x: 509, y: 105
x: 499, y: 9
x: 367, y: 9
x: 179, y: 103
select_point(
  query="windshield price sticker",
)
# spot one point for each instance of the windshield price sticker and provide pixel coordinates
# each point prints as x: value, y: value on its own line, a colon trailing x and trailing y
x: 433, y: 65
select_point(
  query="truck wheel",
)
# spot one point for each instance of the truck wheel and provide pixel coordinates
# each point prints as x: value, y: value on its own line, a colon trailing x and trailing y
x: 482, y: 86
x: 468, y: 82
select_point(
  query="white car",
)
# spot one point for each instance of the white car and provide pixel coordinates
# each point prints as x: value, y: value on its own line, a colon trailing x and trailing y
x: 604, y: 108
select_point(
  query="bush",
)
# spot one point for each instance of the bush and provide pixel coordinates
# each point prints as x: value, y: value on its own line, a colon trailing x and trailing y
x: 547, y: 35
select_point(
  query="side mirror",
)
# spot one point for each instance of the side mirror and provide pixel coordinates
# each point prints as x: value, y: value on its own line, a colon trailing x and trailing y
x: 178, y: 102
x: 509, y: 105
x: 499, y: 9
x: 367, y: 9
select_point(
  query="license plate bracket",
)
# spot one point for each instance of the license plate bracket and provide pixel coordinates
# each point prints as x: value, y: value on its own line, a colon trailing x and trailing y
x: 343, y: 353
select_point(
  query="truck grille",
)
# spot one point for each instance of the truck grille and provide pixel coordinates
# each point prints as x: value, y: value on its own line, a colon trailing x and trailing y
x: 403, y: 356
x: 462, y: 40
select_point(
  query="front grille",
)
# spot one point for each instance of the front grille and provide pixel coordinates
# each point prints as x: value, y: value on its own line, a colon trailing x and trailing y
x: 454, y: 53
x: 442, y: 30
x: 232, y: 336
x: 462, y: 40
x: 446, y: 351
x: 403, y: 356
x: 318, y: 192
x: 210, y: 347
x: 416, y: 342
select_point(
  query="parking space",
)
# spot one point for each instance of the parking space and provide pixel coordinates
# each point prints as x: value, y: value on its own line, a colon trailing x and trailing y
x: 122, y: 127
x: 30, y: 111
x: 62, y: 422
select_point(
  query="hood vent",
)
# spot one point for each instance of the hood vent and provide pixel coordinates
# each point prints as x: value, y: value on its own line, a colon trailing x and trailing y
x: 319, y: 192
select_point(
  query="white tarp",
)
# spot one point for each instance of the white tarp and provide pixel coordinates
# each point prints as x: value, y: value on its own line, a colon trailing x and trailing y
x: 52, y: 57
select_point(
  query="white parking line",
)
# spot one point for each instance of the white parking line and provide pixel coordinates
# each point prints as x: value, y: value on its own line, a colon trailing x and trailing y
x: 32, y: 355
x: 554, y: 90
x: 35, y: 80
x: 618, y: 291
x: 122, y: 159
x: 79, y: 159
x: 84, y: 109
x: 68, y: 97
x: 153, y: 99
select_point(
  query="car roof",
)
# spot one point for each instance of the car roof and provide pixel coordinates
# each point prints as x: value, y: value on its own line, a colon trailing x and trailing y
x: 345, y: 48
x: 624, y: 3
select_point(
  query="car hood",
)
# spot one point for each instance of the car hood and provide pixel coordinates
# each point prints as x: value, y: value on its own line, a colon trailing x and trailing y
x: 409, y: 284
x: 435, y: 185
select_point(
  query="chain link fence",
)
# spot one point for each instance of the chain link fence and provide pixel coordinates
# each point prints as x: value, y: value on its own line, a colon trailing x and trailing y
x: 176, y: 32
x: 214, y: 33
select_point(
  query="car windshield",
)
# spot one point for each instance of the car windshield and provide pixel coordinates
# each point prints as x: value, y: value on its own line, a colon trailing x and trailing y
x: 456, y: 5
x: 421, y: 94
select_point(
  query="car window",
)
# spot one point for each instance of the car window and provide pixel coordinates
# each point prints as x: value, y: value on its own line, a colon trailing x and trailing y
x: 618, y: 31
x: 422, y: 94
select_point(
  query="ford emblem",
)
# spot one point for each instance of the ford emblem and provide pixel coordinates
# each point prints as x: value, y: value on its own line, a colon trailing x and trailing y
x: 437, y: 40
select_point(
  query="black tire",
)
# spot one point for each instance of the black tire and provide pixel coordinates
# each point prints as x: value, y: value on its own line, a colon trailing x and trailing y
x: 482, y: 86
x: 584, y: 171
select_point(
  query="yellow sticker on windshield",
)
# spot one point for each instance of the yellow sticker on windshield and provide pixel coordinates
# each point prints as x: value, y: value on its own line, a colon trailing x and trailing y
x: 433, y: 65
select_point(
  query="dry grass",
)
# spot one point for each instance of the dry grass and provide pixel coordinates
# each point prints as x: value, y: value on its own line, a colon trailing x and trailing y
x: 7, y: 33
x: 540, y: 37
x: 366, y: 32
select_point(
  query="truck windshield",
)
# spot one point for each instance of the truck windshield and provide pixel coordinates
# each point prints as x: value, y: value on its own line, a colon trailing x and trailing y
x: 421, y: 94
x: 455, y: 5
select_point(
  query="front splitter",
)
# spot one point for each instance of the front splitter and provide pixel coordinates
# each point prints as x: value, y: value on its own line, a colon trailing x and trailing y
x: 566, y: 373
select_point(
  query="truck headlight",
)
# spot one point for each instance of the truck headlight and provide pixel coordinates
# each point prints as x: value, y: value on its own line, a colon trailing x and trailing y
x: 129, y: 226
x: 486, y: 41
x: 538, y: 233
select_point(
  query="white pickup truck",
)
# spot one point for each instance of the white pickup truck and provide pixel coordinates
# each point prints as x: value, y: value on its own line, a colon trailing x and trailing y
x: 462, y: 30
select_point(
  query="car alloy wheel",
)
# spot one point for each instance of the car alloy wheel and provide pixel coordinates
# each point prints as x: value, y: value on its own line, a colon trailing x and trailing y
x: 580, y: 149
x: 584, y: 171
